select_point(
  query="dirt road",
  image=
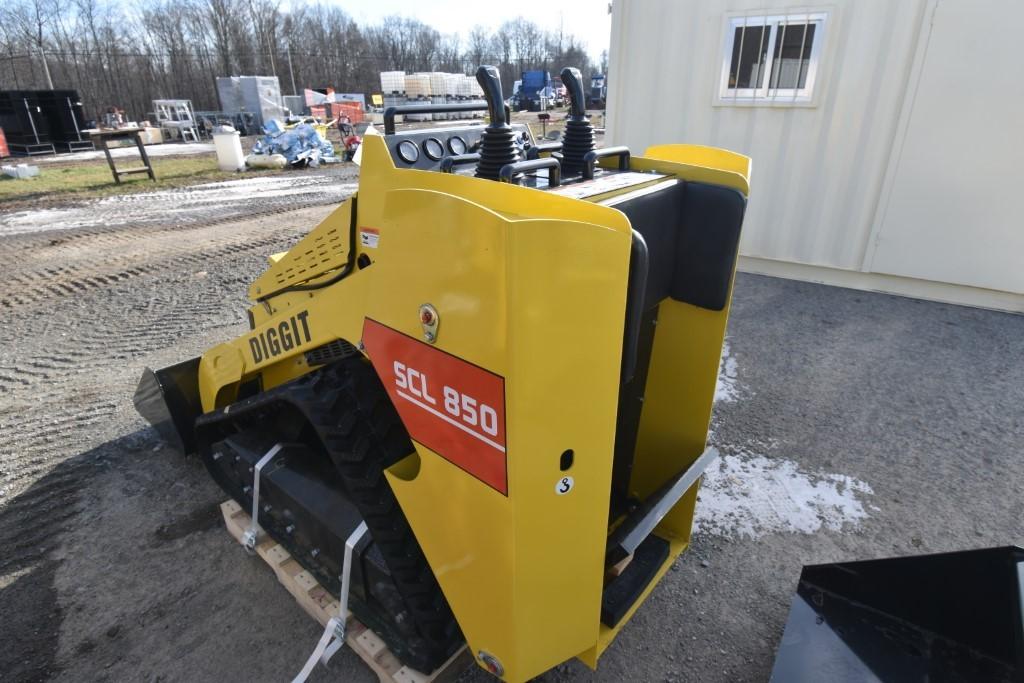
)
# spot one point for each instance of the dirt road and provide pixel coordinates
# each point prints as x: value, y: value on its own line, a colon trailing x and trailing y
x: 851, y: 425
x: 101, y: 560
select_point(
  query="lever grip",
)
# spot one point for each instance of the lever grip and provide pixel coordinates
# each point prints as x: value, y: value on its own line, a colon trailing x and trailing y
x: 490, y: 81
x: 573, y: 82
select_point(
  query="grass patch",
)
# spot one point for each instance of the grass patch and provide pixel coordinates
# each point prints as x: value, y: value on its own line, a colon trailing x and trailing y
x: 94, y: 179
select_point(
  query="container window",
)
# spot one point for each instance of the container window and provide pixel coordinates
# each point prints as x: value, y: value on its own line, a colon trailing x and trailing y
x: 786, y: 48
x: 749, y: 50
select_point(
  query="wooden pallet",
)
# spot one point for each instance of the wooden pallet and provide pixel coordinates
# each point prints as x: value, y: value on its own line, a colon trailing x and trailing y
x: 321, y: 605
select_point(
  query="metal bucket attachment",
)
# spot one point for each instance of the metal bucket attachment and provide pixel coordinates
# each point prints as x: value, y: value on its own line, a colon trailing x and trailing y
x: 169, y: 400
x: 948, y: 617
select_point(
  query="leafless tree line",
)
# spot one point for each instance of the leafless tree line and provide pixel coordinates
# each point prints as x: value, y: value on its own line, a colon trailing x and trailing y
x: 128, y: 54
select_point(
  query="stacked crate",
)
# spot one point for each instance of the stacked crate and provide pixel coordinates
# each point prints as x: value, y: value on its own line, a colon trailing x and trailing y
x: 417, y: 91
x: 465, y: 88
x: 437, y: 94
x: 451, y: 92
x: 476, y: 96
x: 392, y: 87
x: 392, y: 83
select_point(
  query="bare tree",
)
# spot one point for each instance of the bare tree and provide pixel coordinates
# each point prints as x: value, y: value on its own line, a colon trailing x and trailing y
x: 177, y: 48
x: 479, y: 46
x: 31, y: 18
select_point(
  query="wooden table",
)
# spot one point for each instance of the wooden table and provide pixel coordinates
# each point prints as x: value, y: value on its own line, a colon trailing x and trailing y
x: 101, y: 137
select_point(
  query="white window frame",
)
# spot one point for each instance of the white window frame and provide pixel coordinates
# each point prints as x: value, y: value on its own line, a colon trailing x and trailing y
x: 766, y: 95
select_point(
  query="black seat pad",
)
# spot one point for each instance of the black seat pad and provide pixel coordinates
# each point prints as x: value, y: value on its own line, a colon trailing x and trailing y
x: 692, y: 231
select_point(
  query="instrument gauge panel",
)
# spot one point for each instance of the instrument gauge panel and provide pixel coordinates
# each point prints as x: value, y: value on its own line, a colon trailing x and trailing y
x: 456, y: 145
x: 433, y: 148
x: 408, y: 151
x: 425, y: 148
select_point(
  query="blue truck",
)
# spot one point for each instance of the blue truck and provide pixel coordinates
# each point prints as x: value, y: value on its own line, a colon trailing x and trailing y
x: 598, y: 94
x: 534, y: 90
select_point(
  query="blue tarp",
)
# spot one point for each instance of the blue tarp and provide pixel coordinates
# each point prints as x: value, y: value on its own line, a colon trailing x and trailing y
x: 299, y: 145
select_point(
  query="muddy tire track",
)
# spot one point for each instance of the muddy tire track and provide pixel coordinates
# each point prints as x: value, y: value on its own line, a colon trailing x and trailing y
x: 83, y: 310
x: 84, y: 315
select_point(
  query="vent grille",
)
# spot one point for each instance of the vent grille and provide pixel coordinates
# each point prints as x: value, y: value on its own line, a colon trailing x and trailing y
x: 339, y: 349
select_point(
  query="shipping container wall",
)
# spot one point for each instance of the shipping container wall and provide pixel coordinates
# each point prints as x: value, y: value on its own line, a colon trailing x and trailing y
x: 822, y: 97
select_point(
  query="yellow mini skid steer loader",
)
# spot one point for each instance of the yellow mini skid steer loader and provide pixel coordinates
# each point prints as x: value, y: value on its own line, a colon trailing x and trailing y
x: 501, y: 355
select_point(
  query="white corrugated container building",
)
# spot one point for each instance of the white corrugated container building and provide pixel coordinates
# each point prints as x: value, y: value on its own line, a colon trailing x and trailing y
x: 886, y: 137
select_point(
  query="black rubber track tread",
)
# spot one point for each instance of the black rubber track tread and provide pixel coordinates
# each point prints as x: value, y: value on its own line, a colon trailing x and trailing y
x: 349, y: 410
x: 363, y: 434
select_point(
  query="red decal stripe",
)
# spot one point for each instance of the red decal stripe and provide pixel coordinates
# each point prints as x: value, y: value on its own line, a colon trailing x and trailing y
x: 449, y: 405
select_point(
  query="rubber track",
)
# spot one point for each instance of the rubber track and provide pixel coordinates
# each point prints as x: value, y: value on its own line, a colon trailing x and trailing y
x: 358, y: 427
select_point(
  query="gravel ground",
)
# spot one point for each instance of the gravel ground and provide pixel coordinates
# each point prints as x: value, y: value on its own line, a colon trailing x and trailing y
x: 852, y: 425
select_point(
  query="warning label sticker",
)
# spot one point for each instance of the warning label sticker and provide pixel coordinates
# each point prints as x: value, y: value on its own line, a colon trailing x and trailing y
x: 369, y: 237
x: 449, y: 405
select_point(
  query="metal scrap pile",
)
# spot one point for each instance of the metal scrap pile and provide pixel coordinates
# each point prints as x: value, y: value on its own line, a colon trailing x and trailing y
x: 300, y: 145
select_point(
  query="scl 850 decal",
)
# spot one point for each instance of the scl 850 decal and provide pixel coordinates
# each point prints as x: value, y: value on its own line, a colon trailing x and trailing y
x: 448, y: 404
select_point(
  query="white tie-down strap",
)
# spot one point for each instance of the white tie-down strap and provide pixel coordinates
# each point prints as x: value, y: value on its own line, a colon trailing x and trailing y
x: 253, y: 532
x: 334, y: 632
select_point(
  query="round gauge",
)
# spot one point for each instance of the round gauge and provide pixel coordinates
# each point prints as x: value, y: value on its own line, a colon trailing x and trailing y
x: 408, y: 151
x: 457, y: 145
x: 433, y: 148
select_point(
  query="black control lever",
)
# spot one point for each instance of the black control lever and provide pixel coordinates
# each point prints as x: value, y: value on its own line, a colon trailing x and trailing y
x: 490, y: 81
x: 579, y: 133
x: 573, y: 82
x: 497, y: 144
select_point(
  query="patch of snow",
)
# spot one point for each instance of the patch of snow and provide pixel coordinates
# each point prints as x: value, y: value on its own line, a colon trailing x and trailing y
x: 748, y: 495
x: 726, y: 390
x: 145, y: 207
x: 161, y: 150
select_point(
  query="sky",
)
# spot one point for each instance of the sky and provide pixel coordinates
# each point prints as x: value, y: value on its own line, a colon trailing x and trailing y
x: 588, y: 20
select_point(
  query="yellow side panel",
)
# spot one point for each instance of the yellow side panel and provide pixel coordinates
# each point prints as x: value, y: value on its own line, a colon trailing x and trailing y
x: 679, y: 395
x: 690, y: 171
x: 378, y: 170
x: 702, y: 155
x: 540, y: 302
x: 331, y: 313
x: 325, y: 248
